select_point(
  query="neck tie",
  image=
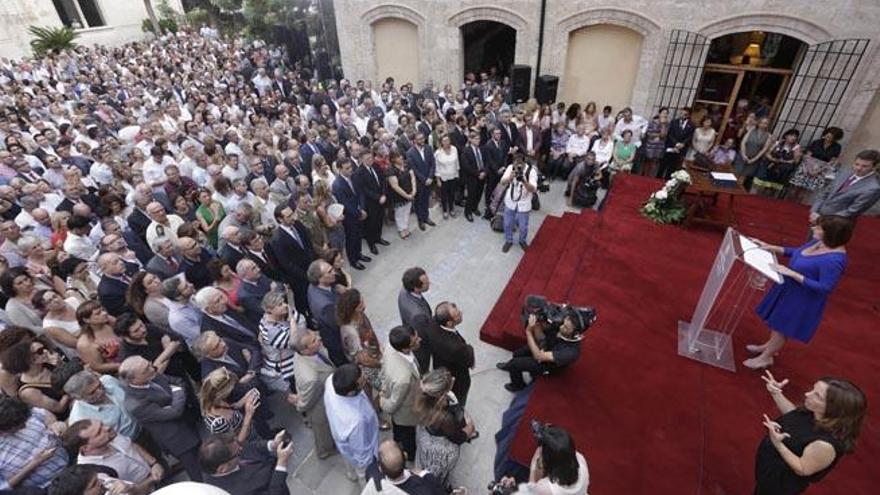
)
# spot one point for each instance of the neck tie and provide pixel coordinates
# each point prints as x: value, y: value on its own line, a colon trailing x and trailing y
x: 293, y: 233
x: 173, y: 264
x: 479, y: 158
x: 323, y: 359
x: 375, y: 177
x: 847, y: 183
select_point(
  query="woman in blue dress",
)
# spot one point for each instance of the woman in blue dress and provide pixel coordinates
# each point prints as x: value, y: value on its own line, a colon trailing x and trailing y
x: 793, y: 309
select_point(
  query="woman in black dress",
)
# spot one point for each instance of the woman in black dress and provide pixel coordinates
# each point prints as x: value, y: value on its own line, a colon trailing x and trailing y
x: 805, y: 443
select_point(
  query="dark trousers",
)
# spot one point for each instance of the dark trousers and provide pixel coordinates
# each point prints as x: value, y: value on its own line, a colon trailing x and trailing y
x: 373, y: 223
x: 353, y: 236
x: 474, y: 193
x: 190, y: 462
x: 522, y: 361
x: 670, y: 163
x: 447, y: 194
x: 406, y: 437
x: 420, y: 203
x: 492, y: 180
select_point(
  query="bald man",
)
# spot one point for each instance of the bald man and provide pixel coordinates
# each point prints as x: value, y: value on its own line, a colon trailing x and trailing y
x: 392, y: 463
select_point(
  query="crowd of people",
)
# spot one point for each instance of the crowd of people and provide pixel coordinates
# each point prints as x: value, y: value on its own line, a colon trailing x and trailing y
x: 178, y: 217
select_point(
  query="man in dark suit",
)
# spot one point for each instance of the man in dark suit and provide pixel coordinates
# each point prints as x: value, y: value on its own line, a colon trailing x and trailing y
x: 473, y: 170
x: 371, y: 182
x: 412, y: 304
x: 291, y: 251
x: 165, y: 264
x: 350, y: 197
x: 255, y: 250
x: 392, y: 464
x: 159, y: 403
x: 322, y: 301
x: 678, y: 137
x: 230, y: 250
x: 509, y: 134
x: 254, y: 285
x: 309, y: 149
x: 421, y: 159
x: 194, y: 262
x: 530, y: 139
x: 449, y: 349
x: 138, y: 219
x: 495, y: 155
x: 248, y: 469
x: 850, y: 195
x: 227, y: 323
x: 114, y: 283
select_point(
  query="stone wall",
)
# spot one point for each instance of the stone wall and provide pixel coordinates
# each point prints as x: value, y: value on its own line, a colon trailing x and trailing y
x: 441, y: 59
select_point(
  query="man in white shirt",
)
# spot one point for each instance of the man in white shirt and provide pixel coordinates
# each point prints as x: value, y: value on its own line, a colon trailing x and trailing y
x: 162, y: 225
x: 629, y: 122
x: 521, y: 183
x: 97, y: 443
x: 353, y: 421
x: 78, y: 243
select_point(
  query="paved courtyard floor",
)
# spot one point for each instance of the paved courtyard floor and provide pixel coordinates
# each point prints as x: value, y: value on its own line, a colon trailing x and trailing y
x: 466, y: 266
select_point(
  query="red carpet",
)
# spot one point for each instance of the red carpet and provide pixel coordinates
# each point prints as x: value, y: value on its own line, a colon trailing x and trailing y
x: 648, y: 420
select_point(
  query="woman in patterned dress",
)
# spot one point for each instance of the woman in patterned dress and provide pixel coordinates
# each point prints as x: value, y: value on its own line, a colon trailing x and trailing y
x: 219, y: 415
x: 821, y: 162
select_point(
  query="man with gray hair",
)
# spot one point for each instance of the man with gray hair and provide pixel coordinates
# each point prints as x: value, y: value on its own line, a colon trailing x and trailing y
x: 228, y: 324
x: 311, y: 367
x: 102, y: 398
x: 159, y: 403
x: 322, y: 303
x: 165, y: 263
x: 183, y: 318
x: 242, y: 217
x: 230, y: 249
x: 254, y: 285
x: 25, y: 218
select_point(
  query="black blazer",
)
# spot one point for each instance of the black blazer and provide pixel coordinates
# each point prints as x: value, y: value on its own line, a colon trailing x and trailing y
x: 468, y: 162
x: 511, y: 137
x: 163, y: 414
x: 292, y: 259
x: 368, y: 186
x: 678, y: 134
x: 265, y: 263
x: 245, y: 336
x: 111, y: 294
x: 255, y: 476
x: 449, y: 350
x: 250, y: 297
x: 231, y: 255
x: 495, y: 155
x: 139, y: 221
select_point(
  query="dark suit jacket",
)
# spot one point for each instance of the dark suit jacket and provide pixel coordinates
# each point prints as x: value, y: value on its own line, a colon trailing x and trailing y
x: 256, y: 474
x: 266, y: 264
x: 459, y: 138
x: 323, y: 306
x: 449, y: 350
x: 678, y: 134
x: 162, y: 268
x: 495, y: 156
x: 197, y: 271
x: 245, y: 334
x: 250, y: 297
x: 416, y: 313
x: 139, y: 221
x: 351, y: 199
x: 366, y: 183
x: 536, y: 139
x: 231, y: 255
x: 163, y: 414
x: 111, y: 294
x: 424, y: 169
x: 292, y: 259
x: 468, y: 162
x: 510, y: 135
x: 306, y: 153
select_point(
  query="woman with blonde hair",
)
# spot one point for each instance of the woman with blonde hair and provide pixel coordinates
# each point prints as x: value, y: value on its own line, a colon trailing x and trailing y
x: 219, y: 415
x: 443, y: 424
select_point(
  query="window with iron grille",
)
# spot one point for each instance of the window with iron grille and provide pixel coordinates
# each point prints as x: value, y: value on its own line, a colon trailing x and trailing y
x: 682, y: 70
x: 79, y: 14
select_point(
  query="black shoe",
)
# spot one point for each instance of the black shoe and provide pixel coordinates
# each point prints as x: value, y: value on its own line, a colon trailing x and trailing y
x: 383, y: 242
x: 357, y: 265
x: 487, y: 216
x: 421, y: 225
x: 513, y: 388
x: 365, y: 258
x: 502, y: 365
x: 430, y: 222
x: 506, y: 247
x: 524, y: 245
x: 373, y: 249
x: 469, y: 217
x: 568, y: 193
x: 477, y: 212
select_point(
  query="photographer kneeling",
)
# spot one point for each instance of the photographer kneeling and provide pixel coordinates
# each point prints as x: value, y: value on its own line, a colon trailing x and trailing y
x: 547, y: 349
x: 557, y: 468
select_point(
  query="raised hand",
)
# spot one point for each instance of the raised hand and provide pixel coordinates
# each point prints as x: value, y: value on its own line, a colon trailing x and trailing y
x: 773, y: 386
x: 774, y: 430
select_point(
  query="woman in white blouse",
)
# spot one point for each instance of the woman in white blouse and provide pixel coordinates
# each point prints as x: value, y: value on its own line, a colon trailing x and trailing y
x: 604, y: 147
x: 446, y: 159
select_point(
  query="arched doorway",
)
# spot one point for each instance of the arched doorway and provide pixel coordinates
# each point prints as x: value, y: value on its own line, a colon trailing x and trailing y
x: 746, y: 72
x: 488, y: 46
x: 396, y: 49
x: 601, y: 65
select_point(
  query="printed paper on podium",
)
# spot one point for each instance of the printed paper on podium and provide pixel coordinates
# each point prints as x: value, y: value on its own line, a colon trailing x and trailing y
x: 759, y: 259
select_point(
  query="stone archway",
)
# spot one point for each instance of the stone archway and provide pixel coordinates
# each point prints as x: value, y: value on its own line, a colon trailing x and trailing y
x: 795, y: 27
x: 555, y: 59
x: 368, y: 63
x: 523, y: 28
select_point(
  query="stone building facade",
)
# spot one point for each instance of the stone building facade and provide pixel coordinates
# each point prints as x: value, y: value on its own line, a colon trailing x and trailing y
x: 105, y: 22
x: 435, y: 27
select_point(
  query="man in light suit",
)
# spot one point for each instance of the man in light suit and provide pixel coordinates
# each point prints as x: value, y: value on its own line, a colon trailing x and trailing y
x: 322, y: 301
x: 850, y: 195
x: 421, y: 158
x: 354, y: 214
x: 400, y: 386
x: 311, y: 367
x: 411, y: 303
x: 159, y: 403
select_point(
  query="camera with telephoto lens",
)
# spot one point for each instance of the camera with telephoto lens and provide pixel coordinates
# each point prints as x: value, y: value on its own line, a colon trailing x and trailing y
x: 499, y: 488
x: 519, y: 172
x: 553, y: 314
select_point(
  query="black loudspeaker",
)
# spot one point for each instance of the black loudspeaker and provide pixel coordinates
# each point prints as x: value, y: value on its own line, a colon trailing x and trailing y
x: 545, y: 91
x: 521, y: 79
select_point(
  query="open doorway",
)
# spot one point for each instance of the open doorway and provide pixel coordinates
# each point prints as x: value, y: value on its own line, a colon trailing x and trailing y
x: 745, y: 72
x: 489, y: 47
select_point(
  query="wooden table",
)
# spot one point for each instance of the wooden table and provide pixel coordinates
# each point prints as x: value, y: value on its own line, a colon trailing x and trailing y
x: 704, y: 191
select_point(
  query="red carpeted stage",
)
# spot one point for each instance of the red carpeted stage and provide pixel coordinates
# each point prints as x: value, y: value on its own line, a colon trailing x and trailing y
x: 648, y: 420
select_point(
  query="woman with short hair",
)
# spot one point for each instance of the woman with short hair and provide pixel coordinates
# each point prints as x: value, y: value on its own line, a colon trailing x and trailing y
x: 806, y: 442
x: 19, y: 287
x: 33, y: 362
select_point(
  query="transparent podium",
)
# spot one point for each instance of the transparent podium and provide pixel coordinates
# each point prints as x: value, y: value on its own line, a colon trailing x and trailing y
x: 728, y: 292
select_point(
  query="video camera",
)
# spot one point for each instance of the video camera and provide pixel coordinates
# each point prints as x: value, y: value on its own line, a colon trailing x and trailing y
x: 553, y: 314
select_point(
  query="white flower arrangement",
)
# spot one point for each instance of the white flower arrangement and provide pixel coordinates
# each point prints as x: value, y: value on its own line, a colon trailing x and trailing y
x: 665, y: 205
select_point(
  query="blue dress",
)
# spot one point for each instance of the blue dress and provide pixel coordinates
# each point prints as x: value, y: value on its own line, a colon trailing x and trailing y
x: 794, y: 309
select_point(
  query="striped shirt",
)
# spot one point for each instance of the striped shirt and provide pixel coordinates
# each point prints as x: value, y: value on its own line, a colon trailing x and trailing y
x: 275, y: 341
x: 19, y: 447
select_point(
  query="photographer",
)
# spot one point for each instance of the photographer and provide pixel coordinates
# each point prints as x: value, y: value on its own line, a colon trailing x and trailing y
x: 547, y: 350
x: 557, y: 468
x: 521, y: 182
